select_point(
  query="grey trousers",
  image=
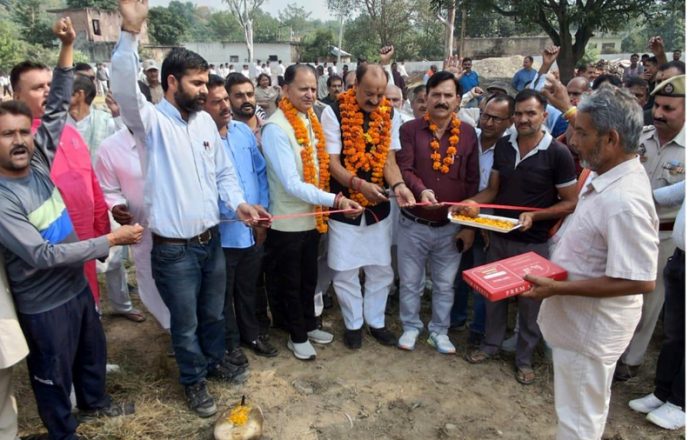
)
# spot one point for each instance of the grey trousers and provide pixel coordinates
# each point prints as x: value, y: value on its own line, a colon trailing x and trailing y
x: 527, y: 309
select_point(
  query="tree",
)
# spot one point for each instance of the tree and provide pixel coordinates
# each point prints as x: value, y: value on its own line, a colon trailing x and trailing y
x: 316, y: 46
x: 569, y: 23
x: 33, y: 22
x: 389, y: 18
x: 224, y: 27
x: 296, y: 18
x: 243, y: 11
x: 448, y: 18
x: 343, y: 9
x: 109, y: 5
x: 166, y: 27
x: 667, y: 19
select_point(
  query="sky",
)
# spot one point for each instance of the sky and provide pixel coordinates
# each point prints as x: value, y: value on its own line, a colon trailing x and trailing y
x: 316, y: 7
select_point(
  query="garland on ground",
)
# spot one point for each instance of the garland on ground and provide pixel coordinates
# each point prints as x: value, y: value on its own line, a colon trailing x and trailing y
x: 308, y: 153
x: 439, y: 164
x: 355, y: 140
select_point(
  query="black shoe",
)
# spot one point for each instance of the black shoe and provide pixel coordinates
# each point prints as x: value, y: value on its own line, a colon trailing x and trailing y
x: 624, y: 372
x: 262, y: 348
x: 328, y: 301
x: 353, y: 339
x: 115, y: 409
x: 228, y: 372
x: 199, y: 399
x: 383, y: 336
x: 236, y: 357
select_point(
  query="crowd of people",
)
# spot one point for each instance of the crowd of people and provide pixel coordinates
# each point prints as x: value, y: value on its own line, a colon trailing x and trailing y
x: 243, y: 201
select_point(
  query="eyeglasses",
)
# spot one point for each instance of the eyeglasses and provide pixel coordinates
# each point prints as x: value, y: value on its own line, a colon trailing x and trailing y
x: 495, y: 119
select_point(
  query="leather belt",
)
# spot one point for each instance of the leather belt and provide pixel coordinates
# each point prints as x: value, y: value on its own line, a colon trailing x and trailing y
x: 422, y: 221
x: 203, y: 238
x: 666, y: 226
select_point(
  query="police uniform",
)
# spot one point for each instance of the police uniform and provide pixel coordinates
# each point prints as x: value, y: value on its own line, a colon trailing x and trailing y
x: 665, y: 165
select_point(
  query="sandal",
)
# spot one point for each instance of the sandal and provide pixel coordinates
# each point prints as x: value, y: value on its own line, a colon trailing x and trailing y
x: 134, y: 315
x: 477, y: 356
x: 525, y: 375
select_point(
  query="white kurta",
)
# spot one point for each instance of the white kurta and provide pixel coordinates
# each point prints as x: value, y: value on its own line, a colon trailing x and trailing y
x: 120, y: 175
x: 350, y: 246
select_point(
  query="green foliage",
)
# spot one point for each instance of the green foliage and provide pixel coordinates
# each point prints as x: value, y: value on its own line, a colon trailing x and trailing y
x: 316, y: 46
x: 224, y: 27
x: 666, y: 19
x: 109, y: 5
x: 165, y: 27
x: 296, y: 18
x: 268, y: 29
x: 591, y: 56
x: 33, y: 22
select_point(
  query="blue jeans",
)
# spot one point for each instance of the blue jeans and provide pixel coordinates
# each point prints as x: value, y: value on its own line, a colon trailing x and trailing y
x: 474, y: 257
x: 191, y: 280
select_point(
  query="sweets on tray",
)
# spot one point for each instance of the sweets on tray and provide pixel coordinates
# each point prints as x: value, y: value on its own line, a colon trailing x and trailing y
x: 486, y: 221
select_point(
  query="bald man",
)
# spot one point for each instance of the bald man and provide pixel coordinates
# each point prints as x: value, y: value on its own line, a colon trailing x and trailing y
x: 364, y: 242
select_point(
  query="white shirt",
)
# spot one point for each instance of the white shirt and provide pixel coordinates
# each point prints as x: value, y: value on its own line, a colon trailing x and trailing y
x: 612, y: 233
x: 121, y: 178
x: 187, y: 169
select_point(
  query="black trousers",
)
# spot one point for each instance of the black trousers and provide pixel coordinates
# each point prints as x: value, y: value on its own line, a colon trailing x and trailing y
x: 243, y: 266
x: 293, y: 278
x: 669, y: 379
x: 66, y: 346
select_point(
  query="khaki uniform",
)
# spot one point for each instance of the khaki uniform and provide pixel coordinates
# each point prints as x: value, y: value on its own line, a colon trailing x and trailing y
x: 665, y: 165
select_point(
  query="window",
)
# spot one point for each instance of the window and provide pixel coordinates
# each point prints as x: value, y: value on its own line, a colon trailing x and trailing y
x: 234, y: 59
x: 273, y: 58
x: 96, y: 27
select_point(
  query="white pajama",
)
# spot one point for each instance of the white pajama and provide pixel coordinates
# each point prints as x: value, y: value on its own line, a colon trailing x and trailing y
x: 582, y: 390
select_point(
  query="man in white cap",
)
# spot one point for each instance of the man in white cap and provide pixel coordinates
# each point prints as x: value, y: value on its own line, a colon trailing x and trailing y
x: 153, y: 80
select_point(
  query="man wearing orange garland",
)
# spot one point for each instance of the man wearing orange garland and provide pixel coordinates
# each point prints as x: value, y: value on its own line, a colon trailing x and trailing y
x: 298, y: 179
x: 361, y: 131
x: 439, y: 162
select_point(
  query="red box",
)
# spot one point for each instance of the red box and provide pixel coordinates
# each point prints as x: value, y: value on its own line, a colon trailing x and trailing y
x: 504, y: 278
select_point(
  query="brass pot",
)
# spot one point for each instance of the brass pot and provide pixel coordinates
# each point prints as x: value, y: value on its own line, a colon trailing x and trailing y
x: 241, y: 422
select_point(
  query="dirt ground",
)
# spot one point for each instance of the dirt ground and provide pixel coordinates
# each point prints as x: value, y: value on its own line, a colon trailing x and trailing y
x: 372, y: 393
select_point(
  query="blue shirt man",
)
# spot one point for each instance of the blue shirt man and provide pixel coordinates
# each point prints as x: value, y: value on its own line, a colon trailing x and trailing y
x: 525, y: 75
x: 469, y: 78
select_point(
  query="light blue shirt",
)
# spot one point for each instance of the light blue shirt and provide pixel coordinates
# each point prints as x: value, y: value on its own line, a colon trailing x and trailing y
x: 281, y: 158
x: 185, y: 166
x: 522, y: 77
x: 673, y: 195
x: 240, y: 146
x: 485, y: 162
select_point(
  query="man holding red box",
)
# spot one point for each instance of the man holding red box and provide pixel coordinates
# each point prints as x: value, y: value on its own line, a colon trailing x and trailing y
x: 609, y: 249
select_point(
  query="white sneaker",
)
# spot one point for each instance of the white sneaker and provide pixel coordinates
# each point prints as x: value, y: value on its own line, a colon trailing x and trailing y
x: 668, y: 416
x: 646, y: 404
x: 407, y: 341
x: 303, y: 351
x: 441, y: 343
x: 320, y: 336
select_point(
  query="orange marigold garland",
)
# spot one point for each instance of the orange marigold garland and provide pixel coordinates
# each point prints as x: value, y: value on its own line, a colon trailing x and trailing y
x: 439, y: 164
x: 355, y: 140
x: 308, y: 152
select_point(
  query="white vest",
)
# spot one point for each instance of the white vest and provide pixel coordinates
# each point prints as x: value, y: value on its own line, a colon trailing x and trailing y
x: 282, y: 203
x: 13, y: 347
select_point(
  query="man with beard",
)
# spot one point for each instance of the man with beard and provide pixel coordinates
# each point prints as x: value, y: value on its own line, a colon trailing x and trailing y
x: 243, y: 246
x: 662, y: 149
x: 361, y: 138
x: 187, y: 171
x: 439, y: 161
x: 609, y: 249
x: 634, y: 70
x: 529, y: 169
x: 242, y: 99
